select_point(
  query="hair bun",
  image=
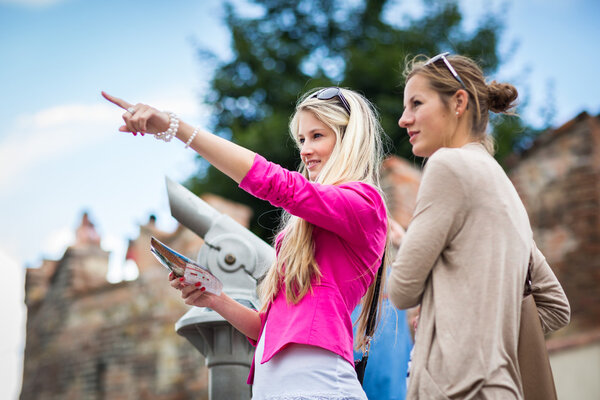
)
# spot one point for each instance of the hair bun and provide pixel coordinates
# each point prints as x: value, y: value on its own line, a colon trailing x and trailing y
x: 501, y: 96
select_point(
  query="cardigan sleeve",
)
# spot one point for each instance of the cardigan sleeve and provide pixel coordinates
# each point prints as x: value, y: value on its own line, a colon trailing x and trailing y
x: 438, y: 215
x: 351, y: 210
x: 550, y: 299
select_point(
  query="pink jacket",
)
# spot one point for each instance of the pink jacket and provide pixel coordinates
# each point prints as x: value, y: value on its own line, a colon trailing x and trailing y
x: 350, y: 227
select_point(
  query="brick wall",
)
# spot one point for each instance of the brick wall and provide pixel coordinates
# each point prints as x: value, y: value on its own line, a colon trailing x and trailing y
x: 559, y: 182
x: 90, y: 339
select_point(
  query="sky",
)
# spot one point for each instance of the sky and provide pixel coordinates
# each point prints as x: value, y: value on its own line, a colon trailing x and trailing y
x: 61, y: 153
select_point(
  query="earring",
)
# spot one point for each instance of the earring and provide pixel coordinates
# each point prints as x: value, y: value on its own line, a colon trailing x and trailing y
x: 457, y: 113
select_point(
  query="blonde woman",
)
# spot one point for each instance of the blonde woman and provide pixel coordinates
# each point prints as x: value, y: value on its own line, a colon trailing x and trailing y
x: 465, y: 255
x: 330, y: 246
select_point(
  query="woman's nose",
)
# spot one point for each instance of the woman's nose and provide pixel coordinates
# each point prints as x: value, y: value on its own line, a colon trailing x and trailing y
x: 404, y: 120
x: 305, y: 149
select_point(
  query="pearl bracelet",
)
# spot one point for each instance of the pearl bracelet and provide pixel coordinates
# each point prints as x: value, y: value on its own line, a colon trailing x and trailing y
x: 187, y: 144
x: 172, y: 131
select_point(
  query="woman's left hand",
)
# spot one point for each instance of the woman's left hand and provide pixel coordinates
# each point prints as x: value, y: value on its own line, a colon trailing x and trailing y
x: 140, y: 118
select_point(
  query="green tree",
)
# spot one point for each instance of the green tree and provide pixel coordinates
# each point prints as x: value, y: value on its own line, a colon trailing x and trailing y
x: 295, y: 45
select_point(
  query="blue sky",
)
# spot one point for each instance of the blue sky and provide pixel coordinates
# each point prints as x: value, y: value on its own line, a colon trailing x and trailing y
x: 61, y: 154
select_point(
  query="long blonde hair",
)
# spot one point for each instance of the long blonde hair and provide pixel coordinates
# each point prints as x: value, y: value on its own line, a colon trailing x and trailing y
x: 356, y: 156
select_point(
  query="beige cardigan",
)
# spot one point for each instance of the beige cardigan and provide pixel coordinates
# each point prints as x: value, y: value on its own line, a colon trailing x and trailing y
x: 464, y: 259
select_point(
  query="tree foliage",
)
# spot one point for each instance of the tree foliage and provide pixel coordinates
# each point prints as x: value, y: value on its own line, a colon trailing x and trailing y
x: 296, y: 45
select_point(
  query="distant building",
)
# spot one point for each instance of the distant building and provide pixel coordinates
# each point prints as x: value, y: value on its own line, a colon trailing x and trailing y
x: 90, y: 339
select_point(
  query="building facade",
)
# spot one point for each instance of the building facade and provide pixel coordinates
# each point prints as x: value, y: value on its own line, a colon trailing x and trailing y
x: 87, y: 338
x: 558, y: 179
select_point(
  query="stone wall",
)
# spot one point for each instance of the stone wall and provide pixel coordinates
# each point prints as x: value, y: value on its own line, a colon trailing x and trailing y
x: 559, y: 182
x: 90, y: 339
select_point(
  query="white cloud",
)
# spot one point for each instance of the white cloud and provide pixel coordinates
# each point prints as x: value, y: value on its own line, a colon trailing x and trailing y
x: 118, y: 268
x: 48, y: 134
x: 55, y: 244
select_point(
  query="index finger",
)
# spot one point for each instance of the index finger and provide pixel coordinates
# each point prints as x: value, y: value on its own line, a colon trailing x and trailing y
x: 117, y: 101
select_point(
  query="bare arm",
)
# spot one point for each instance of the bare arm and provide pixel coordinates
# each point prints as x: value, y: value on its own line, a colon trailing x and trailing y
x: 242, y: 318
x: 231, y: 159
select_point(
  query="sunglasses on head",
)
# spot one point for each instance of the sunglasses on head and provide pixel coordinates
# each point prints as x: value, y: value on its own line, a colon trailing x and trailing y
x: 330, y: 93
x: 442, y: 56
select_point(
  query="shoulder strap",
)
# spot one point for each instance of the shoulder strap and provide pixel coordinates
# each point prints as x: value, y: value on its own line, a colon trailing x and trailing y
x: 528, y: 288
x: 373, y: 310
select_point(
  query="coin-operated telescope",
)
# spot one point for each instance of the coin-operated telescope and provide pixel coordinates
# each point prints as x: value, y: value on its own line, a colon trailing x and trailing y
x: 238, y: 258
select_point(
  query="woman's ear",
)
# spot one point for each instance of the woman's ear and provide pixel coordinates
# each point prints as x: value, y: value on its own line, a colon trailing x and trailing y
x: 461, y: 98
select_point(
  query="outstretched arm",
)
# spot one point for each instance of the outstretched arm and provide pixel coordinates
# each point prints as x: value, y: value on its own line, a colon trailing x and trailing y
x: 231, y: 159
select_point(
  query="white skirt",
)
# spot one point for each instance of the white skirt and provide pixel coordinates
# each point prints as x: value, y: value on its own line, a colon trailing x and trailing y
x: 302, y: 372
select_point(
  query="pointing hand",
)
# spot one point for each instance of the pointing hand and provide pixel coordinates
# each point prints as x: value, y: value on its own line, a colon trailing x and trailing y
x: 140, y: 118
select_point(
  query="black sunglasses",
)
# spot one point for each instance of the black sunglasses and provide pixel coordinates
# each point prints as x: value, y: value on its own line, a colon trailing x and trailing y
x: 330, y: 93
x: 442, y: 56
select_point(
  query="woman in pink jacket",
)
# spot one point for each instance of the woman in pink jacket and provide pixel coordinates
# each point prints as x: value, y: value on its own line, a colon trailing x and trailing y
x: 330, y: 245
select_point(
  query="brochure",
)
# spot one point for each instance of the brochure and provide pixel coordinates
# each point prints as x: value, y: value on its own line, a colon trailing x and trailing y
x: 181, y: 266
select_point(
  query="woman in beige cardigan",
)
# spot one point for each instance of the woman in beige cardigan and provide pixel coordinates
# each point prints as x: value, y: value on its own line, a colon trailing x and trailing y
x: 465, y: 254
